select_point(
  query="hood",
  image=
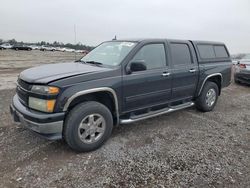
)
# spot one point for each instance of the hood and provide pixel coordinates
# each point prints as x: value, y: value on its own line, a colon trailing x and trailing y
x: 47, y: 73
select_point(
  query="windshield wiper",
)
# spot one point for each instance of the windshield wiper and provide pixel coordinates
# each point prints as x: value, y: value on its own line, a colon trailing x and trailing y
x: 79, y: 60
x: 93, y: 62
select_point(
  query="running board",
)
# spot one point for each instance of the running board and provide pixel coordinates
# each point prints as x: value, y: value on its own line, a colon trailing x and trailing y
x: 155, y: 113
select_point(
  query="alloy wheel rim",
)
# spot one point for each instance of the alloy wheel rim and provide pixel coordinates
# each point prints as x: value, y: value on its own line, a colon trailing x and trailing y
x: 91, y: 128
x: 211, y: 97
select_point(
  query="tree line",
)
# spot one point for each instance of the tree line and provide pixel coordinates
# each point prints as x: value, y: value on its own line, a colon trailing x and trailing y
x: 78, y: 46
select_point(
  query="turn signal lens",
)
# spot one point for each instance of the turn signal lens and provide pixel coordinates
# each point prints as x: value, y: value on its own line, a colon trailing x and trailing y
x: 53, y: 90
x: 50, y: 105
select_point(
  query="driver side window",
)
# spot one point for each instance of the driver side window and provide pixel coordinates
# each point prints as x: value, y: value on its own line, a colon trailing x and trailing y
x: 153, y: 55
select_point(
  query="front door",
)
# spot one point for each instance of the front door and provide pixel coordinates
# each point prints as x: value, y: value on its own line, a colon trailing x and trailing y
x: 142, y: 89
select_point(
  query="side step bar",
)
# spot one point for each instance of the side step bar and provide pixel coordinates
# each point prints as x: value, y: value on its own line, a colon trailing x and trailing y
x: 156, y: 113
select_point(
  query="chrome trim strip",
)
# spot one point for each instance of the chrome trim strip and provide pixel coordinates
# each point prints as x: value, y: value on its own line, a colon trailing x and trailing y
x: 209, y: 76
x: 93, y: 91
x: 154, y: 114
x: 22, y: 88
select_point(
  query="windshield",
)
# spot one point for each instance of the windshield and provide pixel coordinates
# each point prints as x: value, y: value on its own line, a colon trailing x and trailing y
x: 109, y: 53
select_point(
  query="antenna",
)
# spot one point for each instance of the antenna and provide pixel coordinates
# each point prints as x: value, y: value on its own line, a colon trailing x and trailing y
x: 75, y: 39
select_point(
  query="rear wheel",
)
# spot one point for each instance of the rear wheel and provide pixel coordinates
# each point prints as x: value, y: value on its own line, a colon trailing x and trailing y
x: 208, y: 97
x: 88, y: 126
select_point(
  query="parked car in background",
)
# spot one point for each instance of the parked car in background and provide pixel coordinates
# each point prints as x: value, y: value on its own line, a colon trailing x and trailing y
x: 60, y: 49
x: 69, y: 50
x: 119, y: 82
x: 82, y: 51
x: 21, y: 47
x: 242, y: 70
x: 48, y: 48
x: 6, y: 46
x: 34, y: 47
x: 66, y: 50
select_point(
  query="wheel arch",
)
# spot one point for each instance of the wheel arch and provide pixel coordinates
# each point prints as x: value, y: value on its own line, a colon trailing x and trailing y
x: 104, y: 95
x: 216, y: 78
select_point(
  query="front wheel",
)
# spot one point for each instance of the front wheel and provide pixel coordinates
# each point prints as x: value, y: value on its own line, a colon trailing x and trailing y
x: 208, y: 97
x: 88, y: 126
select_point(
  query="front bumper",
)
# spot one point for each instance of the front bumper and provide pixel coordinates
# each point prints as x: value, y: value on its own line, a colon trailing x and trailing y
x: 242, y: 77
x: 49, y: 126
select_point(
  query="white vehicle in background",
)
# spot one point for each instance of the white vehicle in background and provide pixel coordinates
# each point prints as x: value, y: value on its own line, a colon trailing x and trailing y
x: 58, y: 49
x: 61, y: 49
x: 47, y: 48
x: 79, y: 51
x: 82, y: 51
x: 242, y: 70
x: 6, y: 46
x: 34, y: 47
x: 66, y: 50
x: 69, y: 50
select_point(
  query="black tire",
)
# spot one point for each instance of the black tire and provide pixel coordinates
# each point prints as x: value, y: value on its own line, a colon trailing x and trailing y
x: 73, y: 120
x: 236, y: 81
x: 201, y: 100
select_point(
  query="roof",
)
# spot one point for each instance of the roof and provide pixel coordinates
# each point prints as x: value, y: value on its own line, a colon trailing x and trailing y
x: 159, y: 39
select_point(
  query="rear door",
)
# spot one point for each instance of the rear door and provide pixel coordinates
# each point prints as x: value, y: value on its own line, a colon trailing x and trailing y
x: 152, y: 86
x: 184, y: 70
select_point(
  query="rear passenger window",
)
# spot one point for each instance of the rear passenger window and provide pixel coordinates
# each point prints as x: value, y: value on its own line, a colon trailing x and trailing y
x: 206, y: 51
x: 220, y: 51
x: 153, y: 55
x: 180, y: 54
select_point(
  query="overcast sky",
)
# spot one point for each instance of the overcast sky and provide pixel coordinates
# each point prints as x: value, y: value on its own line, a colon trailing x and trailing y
x: 98, y: 20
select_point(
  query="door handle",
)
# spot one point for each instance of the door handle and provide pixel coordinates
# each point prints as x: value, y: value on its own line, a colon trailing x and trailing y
x: 165, y: 74
x: 192, y: 70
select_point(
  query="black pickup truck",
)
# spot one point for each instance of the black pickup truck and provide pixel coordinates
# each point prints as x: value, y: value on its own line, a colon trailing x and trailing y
x: 119, y: 82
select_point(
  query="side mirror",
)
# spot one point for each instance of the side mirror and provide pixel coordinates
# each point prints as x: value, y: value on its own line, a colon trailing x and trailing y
x: 138, y: 65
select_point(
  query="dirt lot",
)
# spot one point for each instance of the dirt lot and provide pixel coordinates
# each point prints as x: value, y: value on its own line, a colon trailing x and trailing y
x: 183, y: 149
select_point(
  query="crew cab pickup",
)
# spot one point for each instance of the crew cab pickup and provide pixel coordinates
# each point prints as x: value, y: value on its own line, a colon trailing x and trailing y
x: 119, y: 82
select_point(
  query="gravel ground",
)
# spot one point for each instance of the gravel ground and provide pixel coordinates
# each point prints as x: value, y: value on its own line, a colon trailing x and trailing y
x: 182, y: 149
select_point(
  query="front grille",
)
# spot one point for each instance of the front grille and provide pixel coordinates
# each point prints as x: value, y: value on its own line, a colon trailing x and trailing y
x: 22, y: 91
x: 23, y: 84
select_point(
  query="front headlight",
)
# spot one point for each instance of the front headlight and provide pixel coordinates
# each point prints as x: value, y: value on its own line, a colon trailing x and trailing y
x: 42, y: 104
x: 45, y: 90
